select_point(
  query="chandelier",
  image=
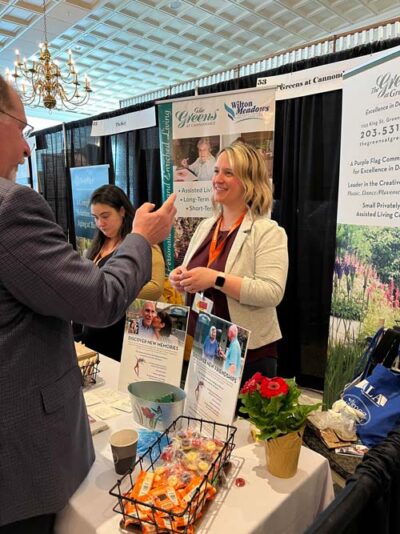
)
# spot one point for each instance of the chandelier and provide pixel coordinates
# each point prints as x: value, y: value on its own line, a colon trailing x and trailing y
x: 44, y: 81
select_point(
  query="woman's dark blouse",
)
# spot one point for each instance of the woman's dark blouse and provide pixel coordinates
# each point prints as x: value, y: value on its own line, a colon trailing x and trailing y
x: 220, y: 307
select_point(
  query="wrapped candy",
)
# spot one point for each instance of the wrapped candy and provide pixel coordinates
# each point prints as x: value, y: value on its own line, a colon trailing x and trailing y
x: 173, y: 495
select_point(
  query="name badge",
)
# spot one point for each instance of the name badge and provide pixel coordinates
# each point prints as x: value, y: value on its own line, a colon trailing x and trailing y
x: 202, y: 304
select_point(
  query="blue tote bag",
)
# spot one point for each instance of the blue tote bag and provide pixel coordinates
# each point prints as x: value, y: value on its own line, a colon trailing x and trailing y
x: 378, y: 398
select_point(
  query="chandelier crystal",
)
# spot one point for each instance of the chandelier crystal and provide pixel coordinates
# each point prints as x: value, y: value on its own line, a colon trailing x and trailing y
x: 44, y: 82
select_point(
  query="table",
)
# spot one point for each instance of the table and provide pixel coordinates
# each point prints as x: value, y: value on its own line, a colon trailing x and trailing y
x: 264, y: 504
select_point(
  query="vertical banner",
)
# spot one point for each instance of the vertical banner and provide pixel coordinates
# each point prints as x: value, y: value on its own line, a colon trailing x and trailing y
x: 165, y: 129
x: 366, y: 279
x: 192, y: 132
x: 84, y: 180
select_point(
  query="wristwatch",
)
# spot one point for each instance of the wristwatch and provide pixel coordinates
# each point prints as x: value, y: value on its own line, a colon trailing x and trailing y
x: 219, y: 281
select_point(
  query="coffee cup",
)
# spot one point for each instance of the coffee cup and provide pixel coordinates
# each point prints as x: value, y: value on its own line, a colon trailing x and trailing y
x: 123, y: 445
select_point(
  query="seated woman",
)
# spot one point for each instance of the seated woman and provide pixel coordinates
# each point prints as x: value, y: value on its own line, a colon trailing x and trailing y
x: 114, y: 213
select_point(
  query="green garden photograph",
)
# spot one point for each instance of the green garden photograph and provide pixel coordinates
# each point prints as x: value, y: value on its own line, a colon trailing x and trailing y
x: 365, y: 296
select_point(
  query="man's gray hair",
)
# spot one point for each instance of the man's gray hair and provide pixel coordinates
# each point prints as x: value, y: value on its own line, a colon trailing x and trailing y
x: 5, y: 94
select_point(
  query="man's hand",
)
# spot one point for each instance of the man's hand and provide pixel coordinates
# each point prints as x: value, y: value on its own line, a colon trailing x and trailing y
x: 155, y: 226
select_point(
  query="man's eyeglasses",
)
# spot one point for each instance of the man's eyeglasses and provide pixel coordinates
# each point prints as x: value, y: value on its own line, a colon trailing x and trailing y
x: 28, y: 129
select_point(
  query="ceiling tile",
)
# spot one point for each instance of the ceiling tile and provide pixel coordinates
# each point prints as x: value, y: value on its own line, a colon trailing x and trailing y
x: 134, y: 46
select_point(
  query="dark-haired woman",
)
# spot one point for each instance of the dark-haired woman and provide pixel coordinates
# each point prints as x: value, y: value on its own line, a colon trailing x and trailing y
x: 113, y: 214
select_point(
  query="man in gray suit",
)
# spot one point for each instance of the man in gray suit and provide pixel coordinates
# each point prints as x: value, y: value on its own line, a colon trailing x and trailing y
x: 46, y: 447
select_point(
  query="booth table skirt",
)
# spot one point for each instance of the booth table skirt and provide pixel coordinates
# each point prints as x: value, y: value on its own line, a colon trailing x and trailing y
x: 264, y: 504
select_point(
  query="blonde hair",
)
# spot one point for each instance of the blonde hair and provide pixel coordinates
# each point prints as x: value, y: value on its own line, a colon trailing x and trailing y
x: 249, y: 166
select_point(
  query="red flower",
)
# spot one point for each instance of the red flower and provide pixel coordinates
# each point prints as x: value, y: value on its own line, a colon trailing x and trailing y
x: 272, y: 387
x: 249, y: 386
x: 257, y: 377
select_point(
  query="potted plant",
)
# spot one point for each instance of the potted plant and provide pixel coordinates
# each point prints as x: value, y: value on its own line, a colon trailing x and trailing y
x: 273, y: 407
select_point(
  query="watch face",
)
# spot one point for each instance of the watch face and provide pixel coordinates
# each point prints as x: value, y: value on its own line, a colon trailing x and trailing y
x: 220, y: 281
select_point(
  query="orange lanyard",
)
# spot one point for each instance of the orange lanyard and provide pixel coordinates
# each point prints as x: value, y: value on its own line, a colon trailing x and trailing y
x: 215, y: 250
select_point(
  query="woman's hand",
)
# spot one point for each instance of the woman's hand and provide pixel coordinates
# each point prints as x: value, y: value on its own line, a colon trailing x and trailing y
x: 175, y: 278
x: 198, y: 279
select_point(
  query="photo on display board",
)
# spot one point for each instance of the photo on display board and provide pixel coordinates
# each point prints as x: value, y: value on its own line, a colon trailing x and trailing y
x: 194, y: 158
x: 154, y: 342
x: 215, y: 368
x: 365, y: 295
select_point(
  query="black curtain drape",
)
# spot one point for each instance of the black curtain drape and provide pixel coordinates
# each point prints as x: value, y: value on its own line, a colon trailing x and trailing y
x: 52, y: 176
x: 306, y: 171
x: 136, y: 160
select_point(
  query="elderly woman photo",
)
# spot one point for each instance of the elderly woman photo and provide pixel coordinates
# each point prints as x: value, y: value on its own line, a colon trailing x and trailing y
x: 210, y: 345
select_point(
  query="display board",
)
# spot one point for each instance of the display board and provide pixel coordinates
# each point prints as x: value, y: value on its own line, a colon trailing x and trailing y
x: 84, y: 180
x: 192, y: 132
x: 215, y: 369
x: 366, y: 278
x: 154, y: 341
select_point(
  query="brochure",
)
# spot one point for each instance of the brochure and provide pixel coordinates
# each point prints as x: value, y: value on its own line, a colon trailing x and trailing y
x: 215, y: 369
x: 154, y: 342
x: 96, y: 426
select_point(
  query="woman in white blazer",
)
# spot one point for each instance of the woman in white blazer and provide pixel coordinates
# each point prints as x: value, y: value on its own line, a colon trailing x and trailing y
x: 239, y: 257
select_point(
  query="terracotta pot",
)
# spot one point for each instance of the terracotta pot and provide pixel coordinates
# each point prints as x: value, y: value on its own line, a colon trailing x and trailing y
x: 283, y: 453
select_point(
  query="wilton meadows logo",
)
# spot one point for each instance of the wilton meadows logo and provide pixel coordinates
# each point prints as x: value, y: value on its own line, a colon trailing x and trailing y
x: 241, y: 110
x: 387, y: 85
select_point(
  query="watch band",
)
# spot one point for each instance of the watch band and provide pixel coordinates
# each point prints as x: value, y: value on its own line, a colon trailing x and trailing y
x: 219, y: 281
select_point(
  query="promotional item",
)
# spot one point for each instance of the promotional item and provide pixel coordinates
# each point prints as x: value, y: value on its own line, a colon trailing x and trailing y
x: 378, y: 398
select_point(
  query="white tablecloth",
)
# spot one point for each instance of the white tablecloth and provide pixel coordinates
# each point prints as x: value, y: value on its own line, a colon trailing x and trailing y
x: 265, y: 504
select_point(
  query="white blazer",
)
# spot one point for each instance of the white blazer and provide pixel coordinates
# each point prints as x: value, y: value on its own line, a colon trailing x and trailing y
x: 259, y: 255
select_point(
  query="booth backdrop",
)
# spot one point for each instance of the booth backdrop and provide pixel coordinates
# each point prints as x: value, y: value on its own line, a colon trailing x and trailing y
x: 306, y: 171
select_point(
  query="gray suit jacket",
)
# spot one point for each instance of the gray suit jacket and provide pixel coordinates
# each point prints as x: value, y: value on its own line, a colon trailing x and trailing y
x: 46, y: 448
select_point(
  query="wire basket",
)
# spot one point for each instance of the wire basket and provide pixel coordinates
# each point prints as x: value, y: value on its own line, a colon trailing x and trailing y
x: 143, y: 513
x: 89, y: 369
